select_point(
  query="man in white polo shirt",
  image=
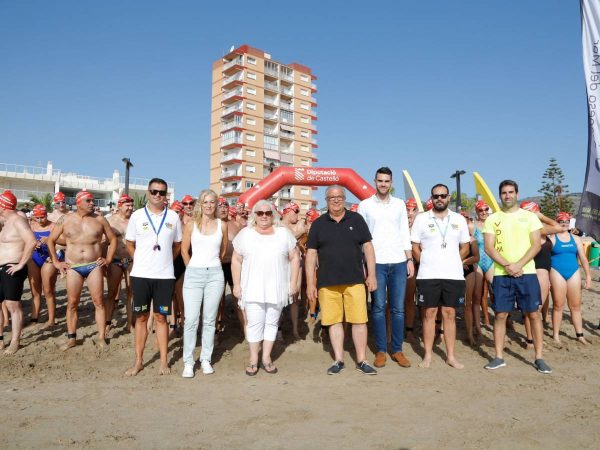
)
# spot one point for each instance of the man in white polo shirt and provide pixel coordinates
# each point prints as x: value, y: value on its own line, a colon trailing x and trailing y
x: 440, y: 239
x: 153, y: 239
x: 387, y: 220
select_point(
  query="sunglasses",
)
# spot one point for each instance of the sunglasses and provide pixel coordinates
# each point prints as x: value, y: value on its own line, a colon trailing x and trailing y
x: 564, y: 222
x: 442, y: 196
x: 484, y: 210
x: 186, y: 203
x: 60, y: 203
x: 264, y: 213
x: 157, y: 192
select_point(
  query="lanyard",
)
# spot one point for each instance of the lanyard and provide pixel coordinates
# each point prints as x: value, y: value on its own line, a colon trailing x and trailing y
x: 445, y: 229
x: 156, y: 246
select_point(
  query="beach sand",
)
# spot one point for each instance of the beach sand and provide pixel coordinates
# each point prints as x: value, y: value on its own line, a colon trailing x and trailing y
x: 81, y: 398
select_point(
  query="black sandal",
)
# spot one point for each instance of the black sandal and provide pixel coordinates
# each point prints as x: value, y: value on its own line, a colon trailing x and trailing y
x: 251, y: 366
x: 271, y: 368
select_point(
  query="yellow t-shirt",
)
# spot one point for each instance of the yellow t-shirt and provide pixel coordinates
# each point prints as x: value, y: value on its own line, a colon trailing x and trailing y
x: 512, y: 232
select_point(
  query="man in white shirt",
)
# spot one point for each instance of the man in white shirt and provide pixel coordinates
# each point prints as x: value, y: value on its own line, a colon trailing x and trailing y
x: 153, y: 239
x: 387, y: 220
x: 440, y: 239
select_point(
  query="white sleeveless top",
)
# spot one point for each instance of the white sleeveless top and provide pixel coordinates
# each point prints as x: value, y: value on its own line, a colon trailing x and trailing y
x: 206, y: 248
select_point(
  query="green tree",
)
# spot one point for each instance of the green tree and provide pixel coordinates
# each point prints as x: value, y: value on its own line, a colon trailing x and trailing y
x: 555, y: 191
x: 467, y: 203
x: 139, y: 201
x: 45, y: 200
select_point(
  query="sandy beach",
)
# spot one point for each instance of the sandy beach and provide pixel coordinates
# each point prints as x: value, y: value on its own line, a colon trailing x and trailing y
x: 81, y: 398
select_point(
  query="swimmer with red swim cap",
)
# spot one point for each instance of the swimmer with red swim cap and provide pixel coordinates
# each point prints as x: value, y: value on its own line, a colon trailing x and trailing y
x: 188, y: 203
x: 83, y: 232
x: 17, y: 243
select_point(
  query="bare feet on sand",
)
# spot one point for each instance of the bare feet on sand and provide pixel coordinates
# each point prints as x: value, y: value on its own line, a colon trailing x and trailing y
x: 133, y: 371
x: 48, y: 325
x: 425, y: 363
x: 164, y: 370
x: 12, y: 348
x: 454, y: 363
x: 101, y: 342
x: 69, y: 344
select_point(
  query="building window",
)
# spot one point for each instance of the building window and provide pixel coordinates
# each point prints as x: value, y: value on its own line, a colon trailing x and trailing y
x: 251, y: 75
x: 249, y: 184
x: 305, y: 106
x: 305, y: 162
x: 250, y: 153
x: 305, y: 191
x: 271, y: 143
x: 304, y: 134
x: 251, y: 137
x: 251, y: 91
x: 304, y: 92
x: 250, y: 169
x: 304, y: 119
x: 251, y: 106
x: 251, y: 60
x: 286, y: 116
x: 304, y: 78
x: 303, y: 205
x: 250, y: 121
x: 304, y: 148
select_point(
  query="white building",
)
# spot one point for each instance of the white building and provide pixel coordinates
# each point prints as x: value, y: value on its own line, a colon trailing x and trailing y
x: 39, y: 181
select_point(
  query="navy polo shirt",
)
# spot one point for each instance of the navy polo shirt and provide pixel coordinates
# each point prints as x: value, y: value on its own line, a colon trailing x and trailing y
x: 339, y: 246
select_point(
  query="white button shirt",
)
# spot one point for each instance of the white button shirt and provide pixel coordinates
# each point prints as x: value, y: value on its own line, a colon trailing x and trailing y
x: 388, y: 224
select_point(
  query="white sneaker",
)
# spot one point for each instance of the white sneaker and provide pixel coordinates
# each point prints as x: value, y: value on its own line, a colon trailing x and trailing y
x: 188, y: 371
x: 207, y: 369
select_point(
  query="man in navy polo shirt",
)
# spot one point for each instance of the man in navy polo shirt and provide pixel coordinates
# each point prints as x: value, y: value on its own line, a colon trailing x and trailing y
x: 338, y: 239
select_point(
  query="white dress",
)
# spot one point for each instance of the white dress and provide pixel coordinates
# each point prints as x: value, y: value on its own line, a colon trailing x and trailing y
x: 265, y: 265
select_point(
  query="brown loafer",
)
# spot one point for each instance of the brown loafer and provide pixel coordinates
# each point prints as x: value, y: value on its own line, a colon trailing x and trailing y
x: 379, y: 359
x: 401, y: 359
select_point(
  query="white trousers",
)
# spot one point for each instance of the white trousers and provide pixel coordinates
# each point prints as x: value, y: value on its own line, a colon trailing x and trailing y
x: 262, y: 321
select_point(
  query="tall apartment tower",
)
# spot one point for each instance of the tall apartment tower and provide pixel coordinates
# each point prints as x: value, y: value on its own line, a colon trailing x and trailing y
x: 262, y: 117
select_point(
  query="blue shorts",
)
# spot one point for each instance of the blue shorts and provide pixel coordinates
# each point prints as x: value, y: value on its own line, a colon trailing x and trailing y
x: 521, y: 293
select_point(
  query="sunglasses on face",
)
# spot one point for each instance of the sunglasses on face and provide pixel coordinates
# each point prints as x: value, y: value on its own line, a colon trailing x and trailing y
x: 264, y: 213
x: 442, y: 196
x: 187, y: 203
x: 485, y: 210
x: 158, y: 192
x: 562, y: 222
x: 60, y: 203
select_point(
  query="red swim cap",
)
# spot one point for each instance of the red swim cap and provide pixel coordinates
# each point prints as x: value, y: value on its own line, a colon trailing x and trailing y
x: 82, y: 195
x: 222, y: 201
x: 124, y: 198
x: 291, y: 206
x: 530, y: 206
x: 8, y: 201
x: 481, y: 205
x: 312, y: 215
x: 429, y: 205
x: 411, y: 203
x: 39, y: 211
x: 187, y: 199
x: 58, y: 197
x: 563, y: 216
x: 354, y: 207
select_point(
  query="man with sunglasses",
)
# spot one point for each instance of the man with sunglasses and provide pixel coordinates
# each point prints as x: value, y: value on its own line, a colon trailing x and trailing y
x: 60, y: 207
x: 440, y: 241
x: 291, y: 220
x: 83, y: 232
x: 512, y: 239
x: 387, y: 219
x: 188, y: 203
x: 338, y: 239
x: 153, y: 239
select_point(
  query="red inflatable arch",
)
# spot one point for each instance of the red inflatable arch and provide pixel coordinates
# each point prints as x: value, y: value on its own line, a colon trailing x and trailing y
x: 307, y: 176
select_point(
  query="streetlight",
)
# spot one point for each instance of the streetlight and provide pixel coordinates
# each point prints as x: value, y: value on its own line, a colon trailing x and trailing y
x: 457, y: 175
x: 128, y: 164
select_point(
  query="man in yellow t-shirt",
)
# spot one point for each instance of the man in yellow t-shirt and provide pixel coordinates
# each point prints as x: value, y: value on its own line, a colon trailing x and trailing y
x: 512, y: 239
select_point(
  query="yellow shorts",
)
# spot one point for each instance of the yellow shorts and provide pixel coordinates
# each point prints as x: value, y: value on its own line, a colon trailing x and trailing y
x: 349, y: 300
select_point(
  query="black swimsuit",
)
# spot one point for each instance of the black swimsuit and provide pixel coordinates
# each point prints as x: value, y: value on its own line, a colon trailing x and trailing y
x: 543, y: 260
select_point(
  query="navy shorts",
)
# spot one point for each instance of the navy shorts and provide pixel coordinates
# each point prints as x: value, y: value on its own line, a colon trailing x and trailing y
x: 521, y: 292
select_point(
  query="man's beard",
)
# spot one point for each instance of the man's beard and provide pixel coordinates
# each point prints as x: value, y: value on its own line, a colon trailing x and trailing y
x: 442, y: 208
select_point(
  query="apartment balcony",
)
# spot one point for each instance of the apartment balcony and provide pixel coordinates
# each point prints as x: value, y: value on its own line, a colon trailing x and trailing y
x: 313, y: 114
x: 231, y: 174
x: 288, y: 92
x: 231, y: 190
x: 233, y: 95
x: 314, y: 157
x: 313, y: 128
x: 277, y: 155
x: 233, y: 66
x: 313, y: 87
x: 287, y: 120
x: 231, y: 140
x: 272, y: 101
x: 286, y: 105
x: 233, y: 80
x: 286, y: 77
x: 232, y: 124
x: 270, y: 132
x: 271, y: 116
x: 270, y: 86
x: 231, y: 158
x: 313, y: 101
x: 313, y: 142
x: 288, y: 135
x: 232, y: 109
x: 271, y: 72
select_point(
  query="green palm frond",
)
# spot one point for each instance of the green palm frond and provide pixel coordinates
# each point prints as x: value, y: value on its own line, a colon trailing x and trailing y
x: 45, y: 200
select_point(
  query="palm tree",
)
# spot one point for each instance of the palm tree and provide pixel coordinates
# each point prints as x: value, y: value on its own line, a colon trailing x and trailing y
x: 45, y: 200
x: 139, y: 201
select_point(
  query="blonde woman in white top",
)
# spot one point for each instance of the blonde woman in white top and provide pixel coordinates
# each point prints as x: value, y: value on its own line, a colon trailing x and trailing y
x: 206, y: 237
x: 265, y: 267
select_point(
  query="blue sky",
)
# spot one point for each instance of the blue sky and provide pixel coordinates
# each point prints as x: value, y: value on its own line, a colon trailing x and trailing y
x: 431, y: 87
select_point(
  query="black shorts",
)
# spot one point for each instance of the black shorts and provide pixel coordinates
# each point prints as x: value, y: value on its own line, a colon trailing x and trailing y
x: 434, y: 293
x: 11, y: 286
x: 157, y: 291
x: 227, y: 274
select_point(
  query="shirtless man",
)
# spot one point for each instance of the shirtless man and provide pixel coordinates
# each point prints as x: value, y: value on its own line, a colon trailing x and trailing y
x: 83, y: 232
x: 290, y: 220
x: 121, y: 262
x: 16, y: 246
x: 227, y: 214
x: 60, y: 207
x: 188, y: 203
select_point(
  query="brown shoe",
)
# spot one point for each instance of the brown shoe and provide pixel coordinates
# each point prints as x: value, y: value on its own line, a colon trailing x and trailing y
x: 401, y: 359
x: 379, y: 359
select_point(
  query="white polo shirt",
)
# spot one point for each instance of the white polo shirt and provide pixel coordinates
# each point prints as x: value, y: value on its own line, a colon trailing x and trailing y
x: 439, y: 261
x: 388, y: 224
x: 147, y: 262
